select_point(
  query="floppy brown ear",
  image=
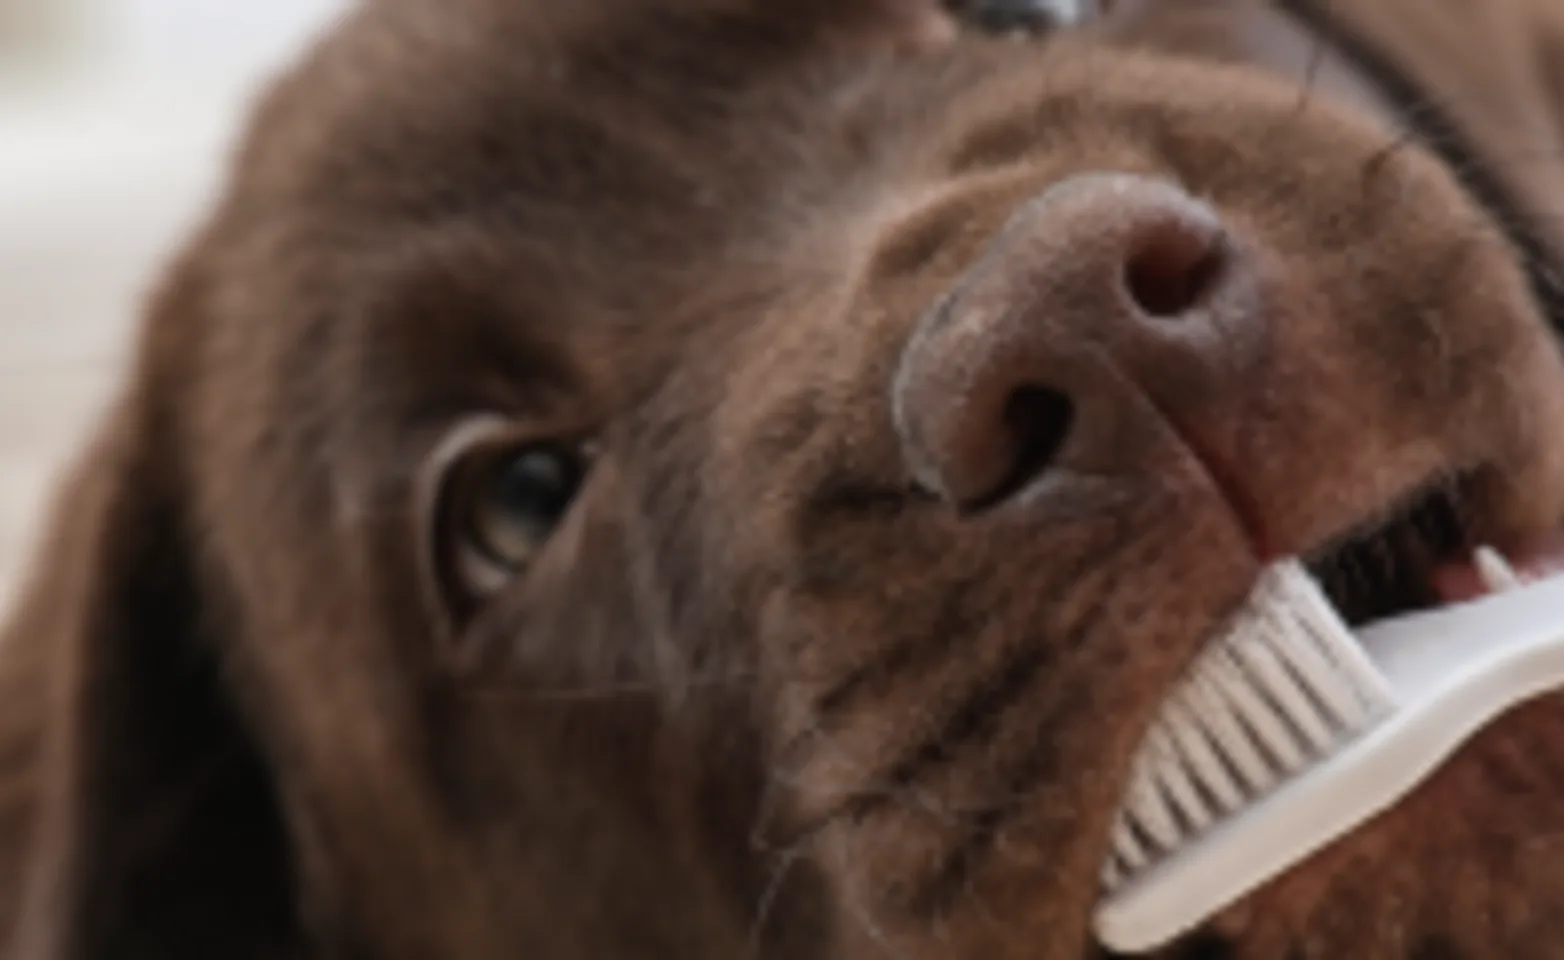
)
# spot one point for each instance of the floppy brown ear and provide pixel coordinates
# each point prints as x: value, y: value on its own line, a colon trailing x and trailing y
x: 137, y: 816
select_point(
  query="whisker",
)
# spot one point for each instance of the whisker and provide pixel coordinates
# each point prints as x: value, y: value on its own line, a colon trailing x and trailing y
x: 769, y: 897
x: 875, y: 791
x: 1433, y: 123
x: 860, y: 914
x: 1312, y: 72
x: 601, y: 691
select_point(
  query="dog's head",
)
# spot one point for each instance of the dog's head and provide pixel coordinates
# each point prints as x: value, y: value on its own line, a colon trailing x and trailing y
x: 651, y: 478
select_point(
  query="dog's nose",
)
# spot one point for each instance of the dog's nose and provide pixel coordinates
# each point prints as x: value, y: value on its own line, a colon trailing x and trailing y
x: 1110, y: 307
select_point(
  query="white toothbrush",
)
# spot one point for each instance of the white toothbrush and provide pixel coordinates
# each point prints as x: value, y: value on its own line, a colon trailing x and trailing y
x: 1289, y: 731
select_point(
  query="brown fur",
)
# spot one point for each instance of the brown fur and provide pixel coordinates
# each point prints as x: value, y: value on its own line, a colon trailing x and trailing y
x: 761, y: 693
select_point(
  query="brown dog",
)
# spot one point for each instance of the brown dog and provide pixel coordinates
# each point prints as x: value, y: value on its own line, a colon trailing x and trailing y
x: 713, y: 478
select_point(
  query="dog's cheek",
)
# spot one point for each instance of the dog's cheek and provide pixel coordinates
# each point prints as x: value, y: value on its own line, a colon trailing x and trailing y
x: 1424, y: 313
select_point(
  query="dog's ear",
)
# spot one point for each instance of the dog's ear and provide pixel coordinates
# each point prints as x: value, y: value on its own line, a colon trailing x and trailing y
x: 149, y: 824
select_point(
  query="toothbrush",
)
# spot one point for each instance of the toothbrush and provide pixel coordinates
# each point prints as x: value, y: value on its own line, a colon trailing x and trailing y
x: 1290, y: 731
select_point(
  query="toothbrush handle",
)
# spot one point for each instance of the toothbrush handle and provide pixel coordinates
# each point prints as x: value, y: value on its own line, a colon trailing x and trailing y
x: 1426, y: 652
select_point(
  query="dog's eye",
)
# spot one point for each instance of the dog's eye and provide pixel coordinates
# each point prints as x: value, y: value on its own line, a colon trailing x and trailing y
x: 514, y: 500
x: 1026, y: 16
x: 488, y: 501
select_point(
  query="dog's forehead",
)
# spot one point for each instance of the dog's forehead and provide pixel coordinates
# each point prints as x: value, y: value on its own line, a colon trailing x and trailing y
x: 509, y: 190
x: 416, y: 110
x: 430, y: 220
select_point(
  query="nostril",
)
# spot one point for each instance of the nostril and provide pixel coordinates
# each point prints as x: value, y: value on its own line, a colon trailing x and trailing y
x: 1173, y: 268
x: 1038, y: 420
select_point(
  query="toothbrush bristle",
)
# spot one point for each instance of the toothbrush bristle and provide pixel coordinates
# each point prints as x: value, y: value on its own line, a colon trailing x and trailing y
x: 1284, y: 685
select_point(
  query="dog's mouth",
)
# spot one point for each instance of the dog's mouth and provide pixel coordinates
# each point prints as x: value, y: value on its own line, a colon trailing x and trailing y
x: 1422, y: 554
x: 1395, y: 566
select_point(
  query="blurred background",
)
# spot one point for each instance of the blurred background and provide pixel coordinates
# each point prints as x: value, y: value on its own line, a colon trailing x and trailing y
x: 116, y: 117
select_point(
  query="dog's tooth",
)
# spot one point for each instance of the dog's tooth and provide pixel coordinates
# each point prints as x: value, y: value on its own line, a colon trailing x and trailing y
x: 1495, y: 572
